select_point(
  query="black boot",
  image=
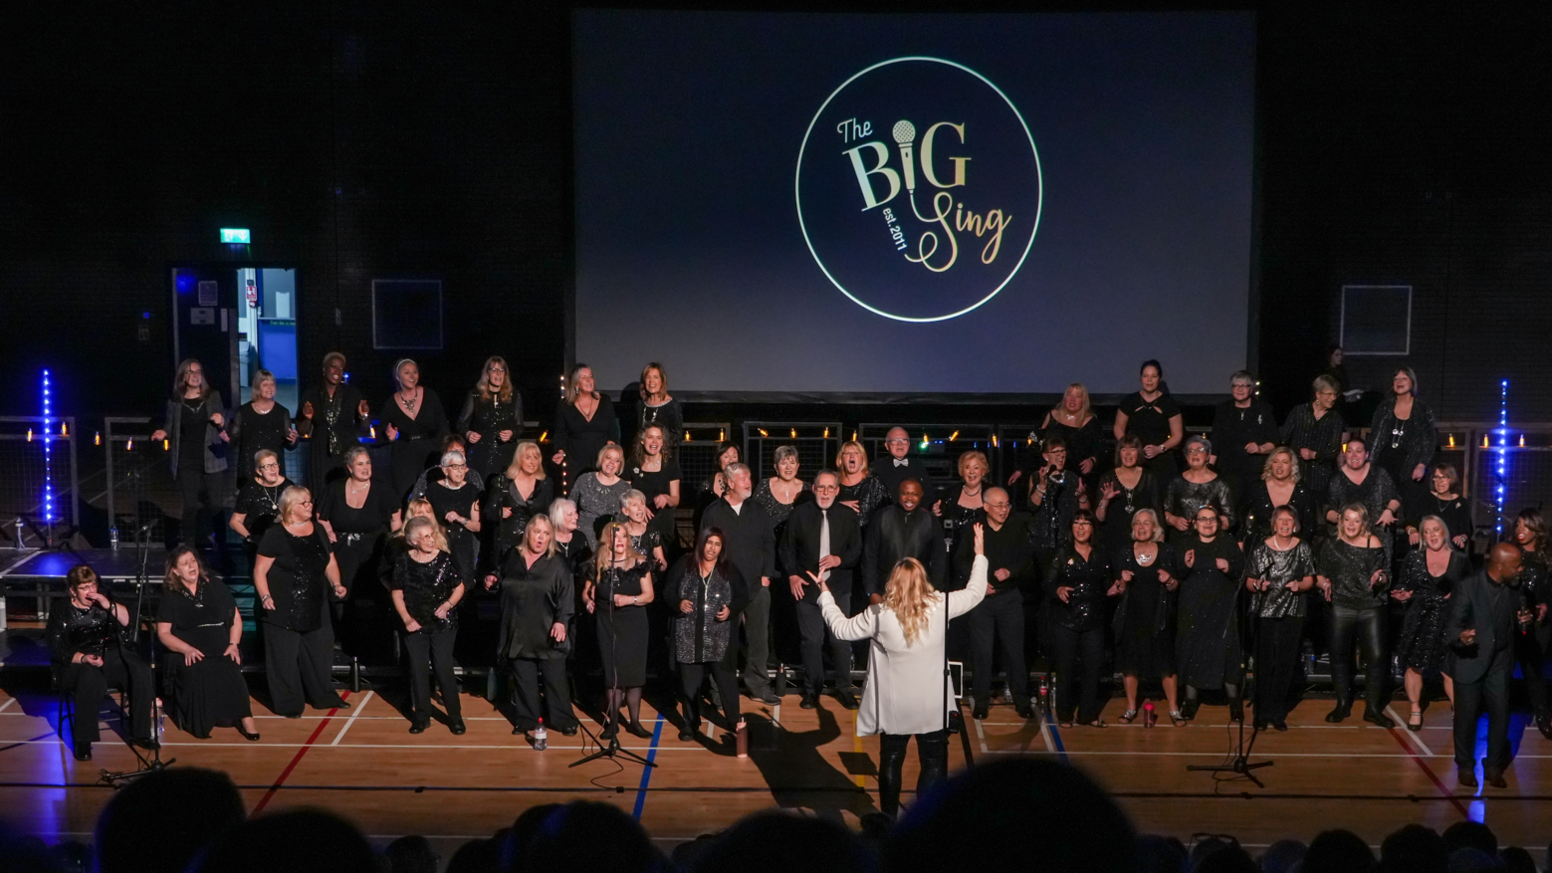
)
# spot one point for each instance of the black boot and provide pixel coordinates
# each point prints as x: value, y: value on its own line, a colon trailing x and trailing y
x: 890, y: 764
x: 1344, y: 708
x: 934, y: 764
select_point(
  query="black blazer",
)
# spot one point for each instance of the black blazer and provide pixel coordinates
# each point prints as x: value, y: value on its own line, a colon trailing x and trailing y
x: 1471, y: 609
x: 799, y: 552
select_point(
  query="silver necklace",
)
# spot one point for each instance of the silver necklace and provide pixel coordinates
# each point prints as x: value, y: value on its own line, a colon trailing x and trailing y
x: 1145, y: 560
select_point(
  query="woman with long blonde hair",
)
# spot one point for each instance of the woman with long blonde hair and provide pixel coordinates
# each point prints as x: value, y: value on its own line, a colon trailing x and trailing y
x: 584, y: 424
x: 491, y: 419
x: 907, y: 691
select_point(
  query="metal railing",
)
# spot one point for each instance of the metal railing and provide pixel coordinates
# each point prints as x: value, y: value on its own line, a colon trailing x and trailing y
x: 38, y: 457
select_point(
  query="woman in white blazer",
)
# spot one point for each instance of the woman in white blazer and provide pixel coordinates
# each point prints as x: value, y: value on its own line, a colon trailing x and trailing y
x: 908, y: 690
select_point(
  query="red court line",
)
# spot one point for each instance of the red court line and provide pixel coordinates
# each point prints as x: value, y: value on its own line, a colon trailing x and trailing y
x: 1443, y: 789
x: 297, y: 759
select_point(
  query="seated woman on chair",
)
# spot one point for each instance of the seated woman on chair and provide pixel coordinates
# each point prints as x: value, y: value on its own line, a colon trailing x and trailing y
x: 199, y: 624
x: 86, y: 636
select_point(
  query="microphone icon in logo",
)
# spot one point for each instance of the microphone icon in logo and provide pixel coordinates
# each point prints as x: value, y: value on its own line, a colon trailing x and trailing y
x: 905, y: 137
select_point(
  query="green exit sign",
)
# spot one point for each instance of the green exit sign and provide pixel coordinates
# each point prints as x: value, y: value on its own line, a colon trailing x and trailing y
x: 238, y: 235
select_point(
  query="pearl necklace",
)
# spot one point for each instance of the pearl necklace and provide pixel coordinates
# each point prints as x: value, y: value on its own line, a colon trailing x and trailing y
x: 1277, y: 548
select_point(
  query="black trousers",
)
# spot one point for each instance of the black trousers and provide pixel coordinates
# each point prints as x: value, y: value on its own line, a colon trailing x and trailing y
x: 815, y: 636
x: 1363, y: 629
x: 432, y: 653
x: 1278, y: 641
x: 1079, y: 656
x: 298, y: 667
x: 556, y: 704
x: 999, y: 618
x: 1471, y: 698
x: 757, y: 639
x: 201, y: 500
x: 88, y: 685
x: 931, y: 748
x: 690, y: 678
x: 1531, y: 651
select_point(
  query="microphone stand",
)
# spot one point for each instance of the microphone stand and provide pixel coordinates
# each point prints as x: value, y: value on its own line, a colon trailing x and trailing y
x: 1240, y: 764
x: 611, y: 749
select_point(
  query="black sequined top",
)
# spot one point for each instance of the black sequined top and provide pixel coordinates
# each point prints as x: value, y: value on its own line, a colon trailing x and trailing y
x: 1277, y: 568
x: 1350, y: 568
x: 869, y: 493
x: 1184, y: 499
x: 1090, y: 580
x: 426, y: 587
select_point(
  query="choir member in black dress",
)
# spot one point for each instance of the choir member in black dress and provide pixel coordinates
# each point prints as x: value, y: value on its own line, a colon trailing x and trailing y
x: 598, y: 493
x: 1055, y: 496
x: 294, y: 576
x: 860, y: 489
x: 708, y: 594
x: 332, y: 418
x: 715, y: 486
x: 658, y: 407
x: 1209, y: 654
x: 1078, y: 583
x: 1197, y: 486
x: 1315, y: 431
x: 491, y: 419
x: 903, y: 529
x: 359, y: 513
x: 520, y: 493
x: 195, y: 423
x: 1533, y: 645
x: 1428, y: 575
x: 1280, y: 570
x: 633, y: 514
x: 899, y: 466
x: 261, y: 424
x: 616, y: 590
x: 1244, y: 430
x: 413, y: 421
x: 198, y: 622
x: 822, y: 542
x: 426, y: 589
x: 1145, y: 622
x: 1445, y: 500
x: 749, y: 542
x: 1281, y: 484
x: 538, y: 591
x: 1359, y: 481
x: 1403, y: 440
x: 1353, y: 574
x: 654, y: 472
x: 999, y: 618
x: 1122, y: 492
x: 86, y: 639
x: 456, y: 502
x: 433, y: 474
x: 584, y: 424
x: 1154, y: 416
x: 1074, y: 421
x: 258, y: 499
x: 960, y: 508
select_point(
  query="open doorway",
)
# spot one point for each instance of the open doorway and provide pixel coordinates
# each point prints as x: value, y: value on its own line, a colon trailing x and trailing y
x: 237, y: 321
x: 266, y: 325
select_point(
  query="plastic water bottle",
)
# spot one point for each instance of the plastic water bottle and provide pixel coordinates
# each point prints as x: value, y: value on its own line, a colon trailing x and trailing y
x: 161, y: 719
x: 1149, y: 717
x: 113, y: 538
x: 541, y: 737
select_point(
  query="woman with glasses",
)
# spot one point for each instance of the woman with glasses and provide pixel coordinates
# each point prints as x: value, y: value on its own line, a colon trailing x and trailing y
x: 491, y: 420
x: 1245, y: 430
x: 456, y: 502
x: 1197, y: 487
x: 195, y: 424
x: 1208, y: 649
x: 258, y: 501
x: 262, y: 424
x: 1403, y: 439
x: 1445, y: 501
x: 1315, y: 432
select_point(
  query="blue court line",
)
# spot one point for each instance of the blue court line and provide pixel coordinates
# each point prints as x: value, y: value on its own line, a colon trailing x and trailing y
x: 646, y: 772
x: 1056, y: 740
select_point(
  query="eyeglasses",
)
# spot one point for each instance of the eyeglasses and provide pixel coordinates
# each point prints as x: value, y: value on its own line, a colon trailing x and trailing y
x: 827, y: 488
x: 270, y: 466
x: 1082, y: 523
x: 1196, y: 451
x: 498, y: 369
x: 1003, y: 505
x: 1207, y: 519
x: 897, y: 441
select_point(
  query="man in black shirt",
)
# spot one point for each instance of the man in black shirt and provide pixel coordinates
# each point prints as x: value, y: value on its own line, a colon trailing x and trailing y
x: 822, y: 541
x: 898, y: 466
x: 751, y: 548
x: 1011, y: 563
x: 902, y: 530
x: 1484, y: 619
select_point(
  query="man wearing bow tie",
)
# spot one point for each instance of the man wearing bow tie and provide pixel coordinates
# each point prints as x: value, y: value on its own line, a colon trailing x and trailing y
x: 899, y: 466
x: 822, y: 541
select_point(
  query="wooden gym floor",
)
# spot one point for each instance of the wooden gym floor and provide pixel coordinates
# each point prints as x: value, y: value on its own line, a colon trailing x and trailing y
x: 361, y: 763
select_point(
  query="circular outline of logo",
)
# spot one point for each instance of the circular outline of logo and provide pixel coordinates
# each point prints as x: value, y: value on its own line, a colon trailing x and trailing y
x: 797, y: 189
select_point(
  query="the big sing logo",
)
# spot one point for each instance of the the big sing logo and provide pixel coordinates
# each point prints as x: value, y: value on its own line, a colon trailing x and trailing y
x: 918, y: 189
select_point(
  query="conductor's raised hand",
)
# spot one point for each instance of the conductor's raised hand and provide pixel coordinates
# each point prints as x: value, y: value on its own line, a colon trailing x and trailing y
x: 980, y: 539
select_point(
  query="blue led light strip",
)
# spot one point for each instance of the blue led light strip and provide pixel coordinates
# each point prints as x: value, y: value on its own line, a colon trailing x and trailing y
x: 48, y: 452
x: 1503, y: 452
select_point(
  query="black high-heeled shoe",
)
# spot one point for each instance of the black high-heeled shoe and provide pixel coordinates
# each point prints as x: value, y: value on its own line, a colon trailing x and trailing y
x: 610, y: 731
x: 252, y: 738
x: 636, y: 729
